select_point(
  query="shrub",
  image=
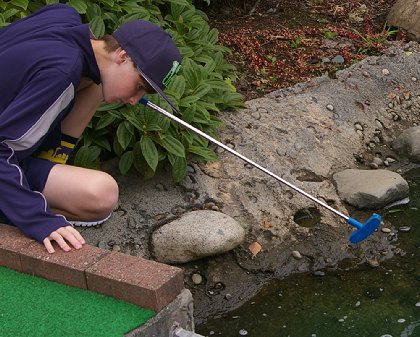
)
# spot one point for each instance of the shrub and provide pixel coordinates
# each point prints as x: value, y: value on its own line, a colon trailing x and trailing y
x: 141, y: 138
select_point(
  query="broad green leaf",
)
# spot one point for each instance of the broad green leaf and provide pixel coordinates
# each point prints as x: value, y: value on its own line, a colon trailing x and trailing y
x: 179, y: 2
x: 213, y: 36
x: 201, y: 90
x: 20, y: 3
x: 87, y: 155
x: 187, y: 101
x: 150, y: 152
x: 103, y: 142
x: 79, y: 5
x: 188, y: 113
x: 9, y: 13
x: 179, y: 168
x: 173, y: 145
x: 177, y: 87
x: 97, y: 26
x: 105, y: 121
x: 126, y: 161
x: 206, y: 153
x: 124, y: 135
x: 109, y: 3
x: 140, y: 163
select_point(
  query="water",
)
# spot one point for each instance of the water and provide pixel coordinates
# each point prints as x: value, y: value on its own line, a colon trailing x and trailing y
x: 366, y: 302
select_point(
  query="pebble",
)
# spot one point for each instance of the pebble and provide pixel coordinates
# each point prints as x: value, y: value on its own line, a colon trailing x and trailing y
x: 243, y: 332
x: 401, y: 320
x: 160, y: 187
x: 386, y: 335
x: 385, y: 230
x: 385, y: 72
x: 196, y: 278
x: 404, y: 229
x: 256, y: 115
x: 357, y: 304
x: 358, y: 126
x: 373, y: 263
x: 377, y: 161
x: 338, y: 59
x: 103, y: 245
x: 297, y: 255
x: 319, y: 273
x: 330, y: 107
x: 418, y: 304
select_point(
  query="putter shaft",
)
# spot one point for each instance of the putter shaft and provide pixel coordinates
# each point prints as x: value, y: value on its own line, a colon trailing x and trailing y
x: 155, y: 107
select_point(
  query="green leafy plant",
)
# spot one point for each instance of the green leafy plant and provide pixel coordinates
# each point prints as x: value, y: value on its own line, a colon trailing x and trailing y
x: 327, y: 34
x: 139, y: 137
x: 372, y: 42
x: 296, y: 43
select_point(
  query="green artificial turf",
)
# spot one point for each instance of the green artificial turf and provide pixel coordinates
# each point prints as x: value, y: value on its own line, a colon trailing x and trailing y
x: 35, y: 307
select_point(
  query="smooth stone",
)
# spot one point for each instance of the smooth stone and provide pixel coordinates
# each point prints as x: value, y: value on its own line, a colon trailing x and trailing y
x: 370, y: 189
x: 196, y: 235
x: 338, y: 59
x: 373, y: 263
x: 197, y: 278
x: 297, y: 255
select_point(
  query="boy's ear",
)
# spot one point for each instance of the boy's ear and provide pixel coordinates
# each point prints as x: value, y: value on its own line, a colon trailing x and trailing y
x: 121, y: 56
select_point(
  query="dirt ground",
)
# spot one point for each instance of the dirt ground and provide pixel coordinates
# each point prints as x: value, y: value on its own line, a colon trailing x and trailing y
x: 279, y: 43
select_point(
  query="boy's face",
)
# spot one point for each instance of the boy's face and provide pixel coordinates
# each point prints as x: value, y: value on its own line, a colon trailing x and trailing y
x: 122, y: 83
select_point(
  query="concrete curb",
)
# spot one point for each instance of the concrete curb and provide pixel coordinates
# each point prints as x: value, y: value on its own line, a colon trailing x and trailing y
x: 146, y: 283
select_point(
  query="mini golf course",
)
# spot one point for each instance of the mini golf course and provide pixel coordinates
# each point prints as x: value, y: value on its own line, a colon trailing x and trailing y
x: 32, y: 306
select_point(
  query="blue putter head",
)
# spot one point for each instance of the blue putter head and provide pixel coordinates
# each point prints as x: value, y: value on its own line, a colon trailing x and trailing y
x: 364, y: 230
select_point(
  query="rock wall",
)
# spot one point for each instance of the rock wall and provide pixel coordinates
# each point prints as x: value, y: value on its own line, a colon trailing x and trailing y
x: 304, y: 134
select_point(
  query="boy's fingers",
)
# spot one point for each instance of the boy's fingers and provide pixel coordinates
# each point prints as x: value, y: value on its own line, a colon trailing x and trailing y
x: 78, y: 236
x: 68, y: 235
x: 48, y: 246
x: 62, y: 236
x: 57, y: 237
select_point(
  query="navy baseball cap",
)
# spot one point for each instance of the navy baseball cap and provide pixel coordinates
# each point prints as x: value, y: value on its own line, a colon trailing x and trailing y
x: 153, y: 51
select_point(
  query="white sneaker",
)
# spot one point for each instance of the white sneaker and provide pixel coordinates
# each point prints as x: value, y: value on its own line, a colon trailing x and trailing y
x: 79, y: 223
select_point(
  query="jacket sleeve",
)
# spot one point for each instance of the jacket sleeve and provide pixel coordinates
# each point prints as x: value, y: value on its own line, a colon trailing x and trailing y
x: 24, y: 123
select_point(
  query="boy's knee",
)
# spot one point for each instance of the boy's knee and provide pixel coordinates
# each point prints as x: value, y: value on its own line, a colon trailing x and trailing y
x: 104, y: 190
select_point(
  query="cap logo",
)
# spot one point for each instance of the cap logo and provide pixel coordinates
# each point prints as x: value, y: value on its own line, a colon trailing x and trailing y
x: 171, y: 74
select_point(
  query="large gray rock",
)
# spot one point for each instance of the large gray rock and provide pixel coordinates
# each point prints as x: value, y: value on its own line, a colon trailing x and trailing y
x: 408, y: 144
x: 195, y: 235
x: 405, y: 14
x: 370, y: 189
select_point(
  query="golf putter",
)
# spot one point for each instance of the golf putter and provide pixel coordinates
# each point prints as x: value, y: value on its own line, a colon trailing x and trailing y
x: 362, y: 230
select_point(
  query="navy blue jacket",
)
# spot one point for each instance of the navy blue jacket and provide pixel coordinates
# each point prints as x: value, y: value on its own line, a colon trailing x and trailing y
x: 42, y: 59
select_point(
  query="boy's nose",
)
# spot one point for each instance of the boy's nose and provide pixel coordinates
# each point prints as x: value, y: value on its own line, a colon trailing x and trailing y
x: 134, y: 100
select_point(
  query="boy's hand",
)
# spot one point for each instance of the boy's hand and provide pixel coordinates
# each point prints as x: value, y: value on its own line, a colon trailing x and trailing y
x: 62, y: 236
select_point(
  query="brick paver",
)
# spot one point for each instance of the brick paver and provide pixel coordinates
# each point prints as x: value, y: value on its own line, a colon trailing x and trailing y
x: 149, y: 284
x: 135, y: 280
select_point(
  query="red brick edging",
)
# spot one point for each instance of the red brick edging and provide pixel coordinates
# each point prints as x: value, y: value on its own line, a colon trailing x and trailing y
x: 146, y: 283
